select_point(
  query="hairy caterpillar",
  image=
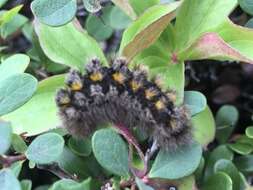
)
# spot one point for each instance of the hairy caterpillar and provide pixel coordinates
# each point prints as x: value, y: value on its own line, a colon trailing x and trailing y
x: 119, y: 96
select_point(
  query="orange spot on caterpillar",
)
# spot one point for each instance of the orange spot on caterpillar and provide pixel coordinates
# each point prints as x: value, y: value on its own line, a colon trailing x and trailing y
x: 135, y: 85
x: 76, y: 85
x: 96, y: 76
x: 119, y: 77
x: 150, y: 93
x: 159, y: 105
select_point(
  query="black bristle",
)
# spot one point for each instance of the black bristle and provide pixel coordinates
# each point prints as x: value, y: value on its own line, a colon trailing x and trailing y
x: 119, y: 96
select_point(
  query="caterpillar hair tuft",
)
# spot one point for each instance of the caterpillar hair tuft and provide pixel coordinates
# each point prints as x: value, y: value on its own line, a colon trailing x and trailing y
x: 120, y: 96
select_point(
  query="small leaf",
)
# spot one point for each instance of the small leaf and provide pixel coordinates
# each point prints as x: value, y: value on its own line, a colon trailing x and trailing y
x: 2, y: 2
x: 68, y: 184
x: 8, y: 181
x: 54, y: 12
x: 249, y: 132
x: 146, y: 29
x: 92, y: 6
x: 5, y: 136
x: 106, y: 144
x: 14, y: 64
x: 16, y: 168
x: 194, y: 101
x: 229, y: 168
x: 186, y: 183
x: 142, y: 186
x: 219, y: 180
x: 45, y: 148
x: 244, y: 163
x: 118, y: 19
x: 141, y: 6
x: 15, y: 91
x: 246, y: 5
x: 26, y: 184
x: 97, y: 28
x: 221, y: 152
x: 12, y: 26
x: 18, y: 144
x: 126, y: 7
x: 81, y: 147
x: 241, y: 148
x: 7, y: 16
x: 180, y: 163
x: 226, y: 119
x: 41, y: 118
x: 204, y: 127
x: 81, y: 48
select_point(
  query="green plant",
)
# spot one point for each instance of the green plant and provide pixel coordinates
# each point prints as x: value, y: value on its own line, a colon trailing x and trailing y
x: 162, y: 38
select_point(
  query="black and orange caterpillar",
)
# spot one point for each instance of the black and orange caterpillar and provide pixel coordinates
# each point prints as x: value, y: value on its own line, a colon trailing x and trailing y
x: 122, y: 97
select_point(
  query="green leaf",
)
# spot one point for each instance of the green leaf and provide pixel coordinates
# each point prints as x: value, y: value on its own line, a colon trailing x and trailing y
x: 15, y: 91
x: 239, y: 38
x: 8, y: 180
x: 54, y: 12
x: 221, y: 152
x: 40, y: 118
x: 125, y: 6
x: 81, y: 147
x: 97, y: 28
x: 14, y: 64
x: 111, y: 151
x: 12, y: 26
x: 177, y: 164
x: 244, y: 163
x: 68, y: 184
x: 219, y: 180
x: 204, y: 127
x: 79, y: 166
x: 196, y: 17
x: 229, y: 168
x: 16, y: 168
x: 249, y: 132
x: 5, y: 136
x: 18, y: 143
x: 241, y: 148
x: 118, y: 19
x: 146, y: 29
x: 45, y: 148
x: 2, y: 2
x: 249, y: 24
x: 246, y: 5
x: 212, y: 46
x: 77, y: 49
x: 226, y: 119
x: 7, y: 16
x: 141, y: 185
x: 92, y: 6
x: 141, y: 6
x: 194, y: 101
x: 26, y: 184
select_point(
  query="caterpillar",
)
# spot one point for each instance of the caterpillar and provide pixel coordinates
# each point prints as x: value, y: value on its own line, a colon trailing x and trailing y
x: 123, y: 97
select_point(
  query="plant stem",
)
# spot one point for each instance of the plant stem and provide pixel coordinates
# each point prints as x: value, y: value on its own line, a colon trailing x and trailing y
x: 7, y: 161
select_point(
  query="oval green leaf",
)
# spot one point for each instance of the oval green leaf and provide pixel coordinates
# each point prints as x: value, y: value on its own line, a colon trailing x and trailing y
x: 81, y: 147
x: 18, y: 144
x: 26, y: 184
x: 244, y: 163
x: 14, y: 64
x: 92, y: 6
x: 77, y: 49
x: 15, y: 91
x: 204, y: 127
x: 141, y: 185
x: 5, y: 136
x: 45, y: 148
x: 194, y: 101
x: 177, y: 164
x: 68, y: 184
x: 34, y: 119
x: 97, y: 28
x: 111, y: 151
x: 219, y: 180
x: 118, y: 19
x: 246, y: 5
x: 8, y: 180
x: 241, y: 148
x: 54, y: 12
x: 229, y: 168
x: 249, y: 132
